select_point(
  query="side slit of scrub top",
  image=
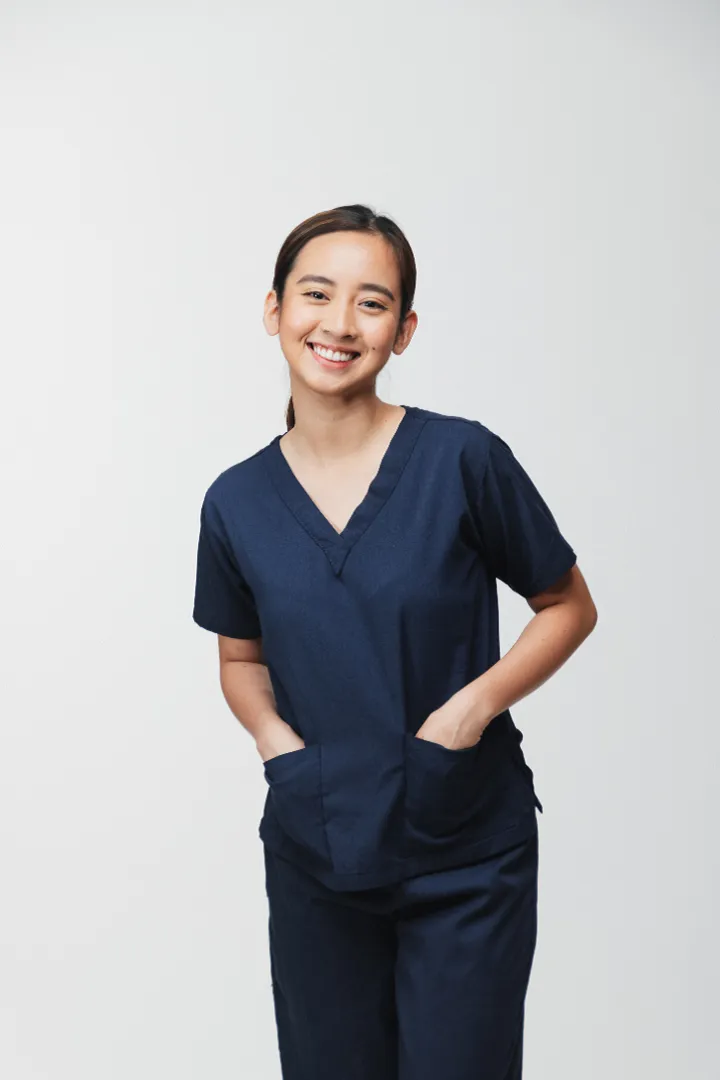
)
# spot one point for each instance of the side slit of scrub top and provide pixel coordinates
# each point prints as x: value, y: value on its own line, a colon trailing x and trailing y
x: 367, y: 631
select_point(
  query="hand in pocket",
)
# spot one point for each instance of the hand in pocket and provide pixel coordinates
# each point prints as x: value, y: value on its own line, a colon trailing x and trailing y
x: 277, y: 737
x: 454, y: 725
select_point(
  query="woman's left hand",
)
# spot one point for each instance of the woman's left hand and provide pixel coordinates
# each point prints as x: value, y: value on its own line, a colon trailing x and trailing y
x: 456, y: 725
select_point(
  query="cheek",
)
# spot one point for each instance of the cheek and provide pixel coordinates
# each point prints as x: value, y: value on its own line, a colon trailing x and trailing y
x: 380, y: 340
x: 293, y: 342
x: 296, y: 325
x: 296, y: 321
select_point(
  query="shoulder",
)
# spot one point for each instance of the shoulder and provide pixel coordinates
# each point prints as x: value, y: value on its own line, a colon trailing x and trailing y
x: 240, y: 480
x: 472, y: 437
x: 469, y: 445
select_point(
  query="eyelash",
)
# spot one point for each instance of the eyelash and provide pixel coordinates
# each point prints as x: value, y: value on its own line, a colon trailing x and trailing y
x: 380, y: 307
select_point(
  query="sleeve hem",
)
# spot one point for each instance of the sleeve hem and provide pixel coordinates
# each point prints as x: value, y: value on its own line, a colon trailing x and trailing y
x: 249, y: 633
x: 563, y: 561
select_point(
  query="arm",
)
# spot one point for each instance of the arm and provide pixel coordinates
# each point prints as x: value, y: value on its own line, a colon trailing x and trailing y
x: 565, y: 615
x: 225, y: 605
x: 246, y: 686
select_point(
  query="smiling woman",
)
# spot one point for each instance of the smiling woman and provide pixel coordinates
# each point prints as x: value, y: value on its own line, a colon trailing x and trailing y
x: 366, y: 269
x: 350, y: 569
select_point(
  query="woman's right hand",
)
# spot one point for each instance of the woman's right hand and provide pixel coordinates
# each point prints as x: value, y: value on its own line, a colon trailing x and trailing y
x: 277, y: 737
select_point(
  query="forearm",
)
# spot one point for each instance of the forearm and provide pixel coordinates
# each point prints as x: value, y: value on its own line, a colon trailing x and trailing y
x: 247, y: 688
x: 549, y: 639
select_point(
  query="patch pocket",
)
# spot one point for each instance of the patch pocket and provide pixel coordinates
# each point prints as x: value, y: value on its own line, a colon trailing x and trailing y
x: 442, y: 786
x: 294, y: 781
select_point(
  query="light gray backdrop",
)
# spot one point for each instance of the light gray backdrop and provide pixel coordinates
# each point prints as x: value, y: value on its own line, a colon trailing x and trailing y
x: 556, y: 168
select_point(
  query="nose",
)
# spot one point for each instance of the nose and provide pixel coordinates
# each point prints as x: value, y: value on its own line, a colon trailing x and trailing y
x: 339, y: 322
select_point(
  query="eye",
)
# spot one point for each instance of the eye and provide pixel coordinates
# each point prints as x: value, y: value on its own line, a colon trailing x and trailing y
x: 321, y: 295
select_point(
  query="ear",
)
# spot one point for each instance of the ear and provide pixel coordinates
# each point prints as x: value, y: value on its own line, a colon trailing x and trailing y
x: 271, y: 313
x: 405, y: 333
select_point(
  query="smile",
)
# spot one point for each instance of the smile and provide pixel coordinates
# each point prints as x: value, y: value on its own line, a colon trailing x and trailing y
x: 334, y: 356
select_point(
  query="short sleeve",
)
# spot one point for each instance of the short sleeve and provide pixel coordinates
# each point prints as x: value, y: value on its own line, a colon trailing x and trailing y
x: 518, y: 536
x: 223, y: 603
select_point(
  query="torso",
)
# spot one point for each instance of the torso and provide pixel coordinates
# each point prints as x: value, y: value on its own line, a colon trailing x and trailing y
x: 337, y: 490
x: 368, y: 630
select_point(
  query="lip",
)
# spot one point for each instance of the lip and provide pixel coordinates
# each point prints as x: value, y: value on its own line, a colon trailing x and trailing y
x: 331, y: 363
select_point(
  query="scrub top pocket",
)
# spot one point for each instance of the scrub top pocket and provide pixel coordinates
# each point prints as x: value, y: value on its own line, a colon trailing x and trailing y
x: 443, y: 786
x: 294, y: 781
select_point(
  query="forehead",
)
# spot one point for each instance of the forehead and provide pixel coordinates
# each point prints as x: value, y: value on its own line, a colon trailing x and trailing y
x: 350, y: 257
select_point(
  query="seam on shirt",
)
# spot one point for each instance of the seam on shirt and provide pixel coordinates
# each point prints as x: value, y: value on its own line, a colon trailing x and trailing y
x: 321, y: 794
x: 322, y: 544
x: 243, y: 583
x: 477, y: 507
x: 396, y: 485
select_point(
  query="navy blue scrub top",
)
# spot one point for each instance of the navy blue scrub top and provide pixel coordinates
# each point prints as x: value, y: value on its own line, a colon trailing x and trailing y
x: 367, y: 631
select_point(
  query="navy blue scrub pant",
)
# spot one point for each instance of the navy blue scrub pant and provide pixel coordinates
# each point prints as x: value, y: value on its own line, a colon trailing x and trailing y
x: 423, y: 980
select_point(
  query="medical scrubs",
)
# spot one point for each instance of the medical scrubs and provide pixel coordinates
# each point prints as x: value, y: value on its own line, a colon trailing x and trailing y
x: 365, y: 632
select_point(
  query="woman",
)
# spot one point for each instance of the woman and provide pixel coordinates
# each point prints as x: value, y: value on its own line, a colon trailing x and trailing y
x: 349, y: 569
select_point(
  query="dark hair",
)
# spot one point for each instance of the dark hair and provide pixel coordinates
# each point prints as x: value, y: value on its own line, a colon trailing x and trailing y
x: 354, y: 218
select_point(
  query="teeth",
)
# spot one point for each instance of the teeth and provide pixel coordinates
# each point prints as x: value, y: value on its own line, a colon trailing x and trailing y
x: 328, y: 355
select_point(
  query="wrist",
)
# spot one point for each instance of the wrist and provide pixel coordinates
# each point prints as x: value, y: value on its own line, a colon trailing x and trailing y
x: 479, y: 709
x: 268, y: 726
x: 276, y: 736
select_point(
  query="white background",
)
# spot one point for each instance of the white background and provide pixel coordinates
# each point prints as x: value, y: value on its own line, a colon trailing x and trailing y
x: 556, y: 170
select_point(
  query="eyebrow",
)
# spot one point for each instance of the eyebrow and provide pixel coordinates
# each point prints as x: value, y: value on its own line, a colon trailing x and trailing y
x: 369, y: 285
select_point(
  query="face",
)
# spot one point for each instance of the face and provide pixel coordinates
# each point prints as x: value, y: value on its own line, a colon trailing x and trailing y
x: 343, y: 294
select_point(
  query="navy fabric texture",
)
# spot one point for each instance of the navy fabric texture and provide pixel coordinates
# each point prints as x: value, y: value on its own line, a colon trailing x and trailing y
x: 367, y: 631
x: 422, y: 980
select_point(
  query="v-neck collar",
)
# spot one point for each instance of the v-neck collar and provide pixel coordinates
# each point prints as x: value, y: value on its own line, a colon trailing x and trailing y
x: 337, y: 545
